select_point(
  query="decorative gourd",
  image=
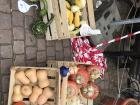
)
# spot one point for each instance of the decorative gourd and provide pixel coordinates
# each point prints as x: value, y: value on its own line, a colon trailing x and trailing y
x: 75, y: 8
x: 94, y: 72
x: 91, y: 91
x: 20, y: 76
x: 42, y: 78
x: 31, y: 74
x: 35, y: 94
x: 26, y: 90
x: 17, y: 96
x: 82, y: 78
x: 72, y: 89
x: 47, y: 93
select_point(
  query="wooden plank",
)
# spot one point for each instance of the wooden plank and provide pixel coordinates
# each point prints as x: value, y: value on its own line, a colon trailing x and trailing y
x: 55, y: 6
x: 64, y: 19
x: 45, y: 19
x: 91, y: 13
x: 11, y: 85
x: 64, y: 90
x: 53, y: 24
x: 58, y: 89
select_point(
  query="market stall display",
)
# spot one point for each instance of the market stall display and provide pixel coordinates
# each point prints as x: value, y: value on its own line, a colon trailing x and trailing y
x: 69, y: 16
x: 34, y: 85
x: 76, y: 86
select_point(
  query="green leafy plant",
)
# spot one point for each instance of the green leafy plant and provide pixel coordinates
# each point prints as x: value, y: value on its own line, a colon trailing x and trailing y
x: 40, y: 28
x: 44, y: 11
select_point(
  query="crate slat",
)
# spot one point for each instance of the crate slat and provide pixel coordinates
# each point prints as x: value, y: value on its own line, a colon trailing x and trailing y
x: 53, y: 24
x: 91, y: 13
x: 45, y: 19
x: 64, y: 19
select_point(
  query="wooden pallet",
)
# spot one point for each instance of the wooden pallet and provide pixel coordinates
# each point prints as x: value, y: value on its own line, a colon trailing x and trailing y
x: 59, y: 27
x: 58, y: 64
x: 54, y: 79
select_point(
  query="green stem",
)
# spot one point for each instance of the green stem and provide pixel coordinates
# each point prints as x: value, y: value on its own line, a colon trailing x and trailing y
x: 51, y: 20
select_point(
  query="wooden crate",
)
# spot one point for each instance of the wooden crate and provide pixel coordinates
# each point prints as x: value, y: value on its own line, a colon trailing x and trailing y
x: 58, y: 64
x: 54, y: 78
x: 59, y: 27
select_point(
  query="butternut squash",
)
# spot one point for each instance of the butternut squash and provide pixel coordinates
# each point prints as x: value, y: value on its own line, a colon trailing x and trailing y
x: 20, y: 76
x: 42, y: 78
x: 26, y: 90
x: 47, y: 93
x: 35, y: 94
x: 31, y: 74
x: 17, y: 96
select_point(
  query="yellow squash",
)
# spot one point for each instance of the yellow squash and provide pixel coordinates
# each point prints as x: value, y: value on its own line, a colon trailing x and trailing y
x: 80, y: 3
x: 70, y: 18
x: 77, y: 19
x: 67, y: 4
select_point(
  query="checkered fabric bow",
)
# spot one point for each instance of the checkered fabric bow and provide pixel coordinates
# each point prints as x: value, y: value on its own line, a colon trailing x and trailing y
x: 84, y: 53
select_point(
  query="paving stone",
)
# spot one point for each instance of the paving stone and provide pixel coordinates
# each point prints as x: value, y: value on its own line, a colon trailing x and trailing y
x: 31, y: 12
x: 50, y: 43
x: 5, y: 21
x: 5, y: 99
x: 5, y: 66
x: 41, y: 56
x: 66, y: 43
x: 30, y: 39
x: 41, y: 64
x: 51, y: 51
x: 28, y: 21
x: 6, y: 51
x: 67, y: 52
x: 31, y: 53
x: 31, y: 63
x: 41, y: 44
x: 5, y: 83
x: 58, y: 46
x: 18, y: 33
x: 5, y: 37
x: 68, y: 59
x: 19, y: 60
x: 18, y: 47
x: 5, y: 6
x: 50, y: 58
x: 17, y: 18
x: 14, y: 4
x: 59, y: 55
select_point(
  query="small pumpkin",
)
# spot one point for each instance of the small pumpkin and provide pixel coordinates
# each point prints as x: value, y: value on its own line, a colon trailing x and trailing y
x: 91, y: 91
x: 94, y: 72
x: 72, y: 89
x: 82, y: 78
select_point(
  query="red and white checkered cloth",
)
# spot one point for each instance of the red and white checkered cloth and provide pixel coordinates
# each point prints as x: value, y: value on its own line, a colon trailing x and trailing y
x: 84, y: 53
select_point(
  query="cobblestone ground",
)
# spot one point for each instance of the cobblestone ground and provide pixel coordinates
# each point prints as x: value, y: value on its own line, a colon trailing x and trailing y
x: 19, y: 47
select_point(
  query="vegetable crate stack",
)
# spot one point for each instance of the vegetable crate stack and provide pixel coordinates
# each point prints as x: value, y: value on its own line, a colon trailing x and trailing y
x: 69, y: 15
x: 34, y: 86
x: 78, y: 86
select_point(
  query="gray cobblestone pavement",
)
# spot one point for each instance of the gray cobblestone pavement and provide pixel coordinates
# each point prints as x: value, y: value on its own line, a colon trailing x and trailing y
x: 19, y: 47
